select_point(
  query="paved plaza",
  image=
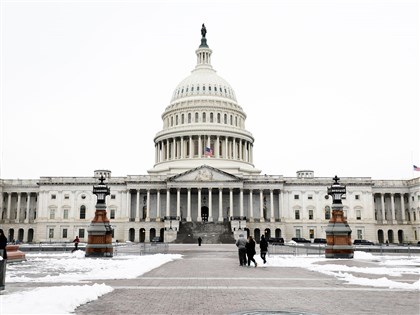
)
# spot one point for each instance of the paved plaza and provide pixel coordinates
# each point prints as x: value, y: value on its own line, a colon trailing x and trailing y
x: 209, y: 280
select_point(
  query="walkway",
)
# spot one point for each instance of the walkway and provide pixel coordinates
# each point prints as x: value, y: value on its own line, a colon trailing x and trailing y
x: 209, y: 280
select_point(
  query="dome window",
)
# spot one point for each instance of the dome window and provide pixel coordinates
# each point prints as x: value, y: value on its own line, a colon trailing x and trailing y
x: 196, y: 117
x: 204, y: 87
x: 182, y: 119
x: 210, y: 88
x: 211, y: 117
x: 198, y: 88
x: 218, y: 118
x: 225, y: 119
x: 183, y: 91
x: 192, y: 89
x: 189, y: 118
x: 204, y: 117
x: 186, y: 90
x: 220, y: 89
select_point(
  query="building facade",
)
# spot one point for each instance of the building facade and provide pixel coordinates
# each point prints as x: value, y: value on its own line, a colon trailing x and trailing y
x: 204, y: 173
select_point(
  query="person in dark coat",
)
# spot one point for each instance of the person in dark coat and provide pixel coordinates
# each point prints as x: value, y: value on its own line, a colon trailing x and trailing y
x: 199, y: 241
x: 76, y: 242
x: 263, y: 248
x: 241, y: 244
x: 3, y: 244
x: 250, y: 250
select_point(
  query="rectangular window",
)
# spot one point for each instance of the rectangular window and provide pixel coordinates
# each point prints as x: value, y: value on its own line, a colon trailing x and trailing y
x: 66, y: 196
x: 297, y: 232
x: 297, y: 214
x: 53, y: 196
x: 296, y: 197
x: 112, y: 196
x: 52, y: 213
x: 64, y: 233
x: 310, y: 197
x: 51, y: 233
x: 82, y: 233
x: 65, y: 214
x: 359, y: 234
x: 311, y: 233
x: 112, y: 214
x: 357, y: 197
x: 327, y: 213
x: 358, y: 215
x: 311, y: 214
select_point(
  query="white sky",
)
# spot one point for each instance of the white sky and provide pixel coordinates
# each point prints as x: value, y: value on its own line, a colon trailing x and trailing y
x: 84, y: 276
x: 330, y: 86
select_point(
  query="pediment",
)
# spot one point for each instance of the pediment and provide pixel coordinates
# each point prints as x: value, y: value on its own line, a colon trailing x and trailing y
x: 204, y: 173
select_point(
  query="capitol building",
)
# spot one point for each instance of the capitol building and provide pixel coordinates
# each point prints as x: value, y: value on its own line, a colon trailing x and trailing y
x: 205, y: 182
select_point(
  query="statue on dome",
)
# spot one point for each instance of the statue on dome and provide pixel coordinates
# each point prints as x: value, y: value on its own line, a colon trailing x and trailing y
x: 203, y: 30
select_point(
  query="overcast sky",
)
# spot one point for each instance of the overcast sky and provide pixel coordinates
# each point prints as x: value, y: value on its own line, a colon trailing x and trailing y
x: 329, y: 86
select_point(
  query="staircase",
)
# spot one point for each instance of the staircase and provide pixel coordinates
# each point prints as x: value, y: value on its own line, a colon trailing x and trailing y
x: 210, y: 233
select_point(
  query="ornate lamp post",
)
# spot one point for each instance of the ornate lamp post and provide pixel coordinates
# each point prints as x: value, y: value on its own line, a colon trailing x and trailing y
x: 100, y: 230
x: 338, y: 231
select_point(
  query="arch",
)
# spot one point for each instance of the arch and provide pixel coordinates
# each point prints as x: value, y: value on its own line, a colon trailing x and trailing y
x: 278, y: 232
x: 131, y: 235
x: 380, y: 236
x: 11, y: 235
x: 21, y: 233
x: 267, y: 233
x: 162, y: 234
x: 246, y: 230
x: 152, y: 234
x: 82, y: 213
x: 204, y: 214
x: 390, y: 236
x: 142, y: 235
x: 30, y: 235
x: 257, y: 234
x: 400, y: 236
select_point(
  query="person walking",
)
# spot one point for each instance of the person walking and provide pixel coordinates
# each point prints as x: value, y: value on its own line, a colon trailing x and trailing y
x: 199, y: 241
x: 263, y: 248
x: 3, y: 244
x: 250, y: 250
x: 241, y: 244
x: 76, y: 242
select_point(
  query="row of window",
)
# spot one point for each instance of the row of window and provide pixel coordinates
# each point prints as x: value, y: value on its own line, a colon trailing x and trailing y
x: 219, y: 118
x: 204, y: 89
x: 310, y: 197
x: 82, y: 213
x: 67, y: 196
x: 327, y: 214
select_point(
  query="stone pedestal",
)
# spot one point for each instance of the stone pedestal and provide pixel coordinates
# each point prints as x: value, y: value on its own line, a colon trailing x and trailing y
x: 338, y: 237
x: 99, y: 236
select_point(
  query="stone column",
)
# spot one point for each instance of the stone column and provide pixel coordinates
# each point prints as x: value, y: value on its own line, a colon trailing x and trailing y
x: 199, y: 205
x: 18, y: 207
x: 220, y: 204
x: 128, y: 203
x: 280, y: 204
x: 241, y: 202
x: 272, y: 218
x: 210, y: 207
x: 190, y: 154
x: 226, y: 156
x: 217, y: 147
x: 178, y: 203
x: 182, y: 148
x: 158, y: 205
x: 231, y: 202
x: 262, y: 219
x: 27, y: 207
x: 200, y: 147
x: 402, y: 207
x: 383, y: 207
x: 168, y: 202
x: 138, y: 217
x: 251, y: 207
x: 148, y: 206
x: 234, y: 149
x: 189, y: 205
x: 173, y: 148
x: 167, y: 150
x: 392, y: 207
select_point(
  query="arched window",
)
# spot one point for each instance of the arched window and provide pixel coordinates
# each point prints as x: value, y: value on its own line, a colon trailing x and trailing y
x: 231, y: 120
x: 196, y: 117
x: 225, y: 119
x: 189, y: 118
x: 236, y: 121
x: 204, y: 117
x: 172, y: 121
x: 211, y: 117
x: 176, y: 120
x: 218, y: 118
x: 82, y: 212
x: 182, y: 119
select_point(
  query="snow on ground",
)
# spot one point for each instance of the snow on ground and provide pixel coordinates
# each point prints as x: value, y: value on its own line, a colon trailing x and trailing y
x: 75, y: 279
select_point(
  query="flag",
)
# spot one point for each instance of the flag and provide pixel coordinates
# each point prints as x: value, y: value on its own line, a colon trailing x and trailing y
x: 208, y: 152
x: 416, y: 168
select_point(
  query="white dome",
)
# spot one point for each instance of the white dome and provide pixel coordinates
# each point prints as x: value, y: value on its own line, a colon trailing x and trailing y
x: 203, y: 82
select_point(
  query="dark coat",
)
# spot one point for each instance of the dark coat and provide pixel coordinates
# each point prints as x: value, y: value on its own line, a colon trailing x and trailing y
x: 263, y: 245
x: 250, y: 248
x: 3, y: 243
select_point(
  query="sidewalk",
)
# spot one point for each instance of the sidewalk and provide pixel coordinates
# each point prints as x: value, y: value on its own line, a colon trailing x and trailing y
x: 209, y: 280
